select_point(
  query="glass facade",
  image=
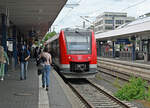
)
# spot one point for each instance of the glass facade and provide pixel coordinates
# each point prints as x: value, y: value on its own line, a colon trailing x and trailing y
x: 109, y: 21
x: 119, y: 21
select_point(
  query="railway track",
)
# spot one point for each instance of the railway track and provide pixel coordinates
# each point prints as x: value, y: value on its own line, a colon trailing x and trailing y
x: 123, y: 70
x: 113, y: 73
x: 133, y: 64
x: 95, y: 97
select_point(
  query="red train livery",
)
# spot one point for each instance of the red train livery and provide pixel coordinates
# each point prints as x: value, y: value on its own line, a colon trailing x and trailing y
x: 74, y: 53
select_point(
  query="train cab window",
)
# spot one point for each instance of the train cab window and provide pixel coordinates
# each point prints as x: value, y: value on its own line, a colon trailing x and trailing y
x: 78, y: 43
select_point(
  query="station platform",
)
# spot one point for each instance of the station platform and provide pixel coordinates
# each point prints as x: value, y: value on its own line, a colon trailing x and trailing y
x: 16, y: 93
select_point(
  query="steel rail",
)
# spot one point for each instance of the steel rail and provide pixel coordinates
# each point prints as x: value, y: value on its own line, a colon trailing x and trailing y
x: 113, y: 74
x: 118, y: 76
x: 109, y: 95
x: 88, y: 104
x: 123, y: 63
x: 126, y: 67
x: 80, y: 96
x: 123, y: 72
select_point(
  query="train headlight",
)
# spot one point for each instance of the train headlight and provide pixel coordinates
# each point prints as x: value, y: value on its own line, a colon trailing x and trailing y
x: 89, y: 57
x: 69, y: 57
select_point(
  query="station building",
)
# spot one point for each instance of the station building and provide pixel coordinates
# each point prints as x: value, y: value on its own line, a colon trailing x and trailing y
x: 110, y: 20
x: 128, y: 42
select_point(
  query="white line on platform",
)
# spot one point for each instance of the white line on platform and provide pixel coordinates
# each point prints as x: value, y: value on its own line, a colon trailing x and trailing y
x: 43, y: 96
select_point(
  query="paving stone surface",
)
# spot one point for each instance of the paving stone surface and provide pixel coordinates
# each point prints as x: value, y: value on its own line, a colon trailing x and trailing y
x: 57, y: 97
x: 16, y: 93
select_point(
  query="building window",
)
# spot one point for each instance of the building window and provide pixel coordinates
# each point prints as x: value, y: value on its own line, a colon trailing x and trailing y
x: 100, y: 28
x: 108, y: 21
x: 99, y: 23
x: 121, y: 15
x: 127, y: 21
x: 119, y: 21
x: 108, y: 27
x: 115, y: 15
x: 96, y: 29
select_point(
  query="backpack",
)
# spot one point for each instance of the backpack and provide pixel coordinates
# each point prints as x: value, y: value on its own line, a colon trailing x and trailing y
x: 23, y: 54
x: 40, y: 64
x: 26, y: 53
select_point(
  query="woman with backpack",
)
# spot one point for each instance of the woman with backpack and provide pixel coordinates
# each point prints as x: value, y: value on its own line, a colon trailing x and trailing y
x: 23, y: 56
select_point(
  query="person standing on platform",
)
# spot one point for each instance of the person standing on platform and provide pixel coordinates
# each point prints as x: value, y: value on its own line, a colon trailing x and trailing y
x: 3, y: 60
x: 23, y: 57
x: 47, y: 68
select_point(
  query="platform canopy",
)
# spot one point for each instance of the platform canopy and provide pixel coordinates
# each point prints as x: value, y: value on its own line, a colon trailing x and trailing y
x: 139, y: 26
x: 36, y: 15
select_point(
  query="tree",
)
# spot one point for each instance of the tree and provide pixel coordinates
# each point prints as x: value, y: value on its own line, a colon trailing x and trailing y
x: 49, y: 35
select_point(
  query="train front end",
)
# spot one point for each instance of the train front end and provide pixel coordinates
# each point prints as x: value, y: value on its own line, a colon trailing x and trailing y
x: 78, y: 54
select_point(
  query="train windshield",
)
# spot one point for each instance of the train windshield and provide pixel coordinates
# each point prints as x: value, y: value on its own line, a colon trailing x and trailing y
x: 78, y: 42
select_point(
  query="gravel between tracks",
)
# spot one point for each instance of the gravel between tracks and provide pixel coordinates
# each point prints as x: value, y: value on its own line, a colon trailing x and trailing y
x: 108, y: 82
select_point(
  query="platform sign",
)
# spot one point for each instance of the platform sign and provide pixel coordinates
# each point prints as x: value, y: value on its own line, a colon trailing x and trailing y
x: 126, y: 41
x: 10, y: 44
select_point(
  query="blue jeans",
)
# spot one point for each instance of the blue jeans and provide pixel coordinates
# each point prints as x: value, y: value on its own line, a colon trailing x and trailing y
x: 23, y: 72
x: 45, y: 75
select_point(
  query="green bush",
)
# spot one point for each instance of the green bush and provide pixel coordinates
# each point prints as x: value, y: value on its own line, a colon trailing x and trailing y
x: 148, y: 94
x: 135, y: 89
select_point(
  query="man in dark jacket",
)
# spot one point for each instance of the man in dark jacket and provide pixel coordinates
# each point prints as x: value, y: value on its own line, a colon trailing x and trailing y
x: 23, y: 56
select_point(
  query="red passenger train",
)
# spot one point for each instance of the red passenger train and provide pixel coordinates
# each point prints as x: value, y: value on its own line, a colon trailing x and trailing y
x: 74, y: 53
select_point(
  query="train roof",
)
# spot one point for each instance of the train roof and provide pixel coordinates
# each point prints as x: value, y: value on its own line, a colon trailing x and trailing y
x: 52, y: 38
x: 76, y: 29
x: 137, y: 26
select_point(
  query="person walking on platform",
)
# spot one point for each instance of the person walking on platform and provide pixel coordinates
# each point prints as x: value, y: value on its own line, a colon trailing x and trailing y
x: 47, y: 68
x: 23, y: 57
x: 3, y: 60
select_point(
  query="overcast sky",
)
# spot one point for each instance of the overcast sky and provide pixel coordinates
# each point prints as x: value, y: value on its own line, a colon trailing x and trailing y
x: 70, y: 17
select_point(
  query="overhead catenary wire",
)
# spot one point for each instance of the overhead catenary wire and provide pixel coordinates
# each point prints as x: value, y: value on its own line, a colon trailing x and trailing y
x: 138, y: 3
x: 66, y: 15
x: 134, y: 5
x: 69, y: 11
